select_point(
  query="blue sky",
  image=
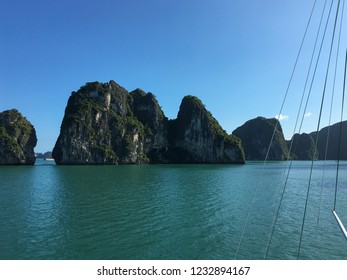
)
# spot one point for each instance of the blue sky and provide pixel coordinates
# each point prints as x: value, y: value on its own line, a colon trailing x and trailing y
x: 235, y: 55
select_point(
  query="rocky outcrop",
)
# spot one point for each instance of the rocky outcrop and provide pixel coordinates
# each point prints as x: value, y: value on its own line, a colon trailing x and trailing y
x: 303, y: 147
x: 47, y: 155
x: 105, y: 124
x: 146, y: 110
x: 17, y: 139
x: 39, y: 155
x: 99, y: 128
x: 196, y: 136
x: 330, y: 137
x: 256, y: 135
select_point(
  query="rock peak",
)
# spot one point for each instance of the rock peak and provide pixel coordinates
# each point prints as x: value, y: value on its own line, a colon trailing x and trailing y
x: 17, y: 139
x: 256, y: 135
x: 106, y: 124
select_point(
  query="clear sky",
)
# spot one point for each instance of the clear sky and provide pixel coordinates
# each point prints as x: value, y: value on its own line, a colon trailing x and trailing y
x: 235, y: 55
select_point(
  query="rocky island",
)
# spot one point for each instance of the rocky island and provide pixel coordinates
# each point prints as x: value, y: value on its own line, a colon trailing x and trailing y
x: 329, y: 136
x: 303, y: 147
x: 106, y: 124
x: 256, y: 135
x: 17, y: 139
x: 329, y: 141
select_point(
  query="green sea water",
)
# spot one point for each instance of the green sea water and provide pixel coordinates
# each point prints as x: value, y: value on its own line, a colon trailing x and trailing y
x: 171, y: 211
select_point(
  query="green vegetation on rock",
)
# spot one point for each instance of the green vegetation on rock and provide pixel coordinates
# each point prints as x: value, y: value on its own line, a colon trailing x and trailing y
x: 199, y: 138
x: 17, y: 139
x: 105, y: 124
x: 256, y: 135
x: 328, y: 141
x: 303, y: 147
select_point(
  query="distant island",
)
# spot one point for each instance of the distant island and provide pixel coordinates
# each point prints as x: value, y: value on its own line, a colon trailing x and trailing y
x: 45, y: 156
x: 256, y: 135
x: 106, y: 124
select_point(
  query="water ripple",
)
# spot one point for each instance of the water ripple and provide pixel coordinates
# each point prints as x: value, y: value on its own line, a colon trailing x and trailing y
x: 165, y: 212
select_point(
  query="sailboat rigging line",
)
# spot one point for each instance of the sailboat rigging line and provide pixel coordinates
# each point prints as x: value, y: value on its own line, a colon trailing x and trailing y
x: 334, y: 83
x: 273, y: 134
x: 316, y: 67
x: 281, y: 195
x: 330, y: 115
x: 318, y: 125
x: 340, y: 133
x: 306, y: 83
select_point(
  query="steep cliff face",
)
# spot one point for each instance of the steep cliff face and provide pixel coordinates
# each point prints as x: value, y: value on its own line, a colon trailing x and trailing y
x: 329, y: 136
x: 256, y: 135
x: 146, y: 109
x: 197, y: 137
x: 105, y: 124
x: 99, y: 128
x: 303, y: 147
x: 17, y: 139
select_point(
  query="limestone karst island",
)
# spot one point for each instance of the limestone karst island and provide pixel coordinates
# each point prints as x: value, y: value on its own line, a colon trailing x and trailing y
x: 106, y: 124
x: 17, y: 139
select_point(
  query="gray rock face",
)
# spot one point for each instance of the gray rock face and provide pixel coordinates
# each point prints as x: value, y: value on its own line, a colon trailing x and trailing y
x: 147, y: 111
x: 17, y: 139
x: 105, y: 124
x: 256, y: 135
x: 303, y: 147
x: 197, y: 137
x: 329, y: 137
x: 99, y: 128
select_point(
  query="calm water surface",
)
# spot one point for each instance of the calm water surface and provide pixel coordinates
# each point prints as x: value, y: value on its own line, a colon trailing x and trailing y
x: 170, y: 211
